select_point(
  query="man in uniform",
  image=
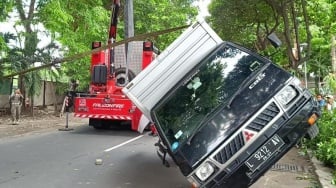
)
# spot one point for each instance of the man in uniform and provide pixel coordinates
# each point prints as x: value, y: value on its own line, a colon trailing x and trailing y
x: 16, y: 100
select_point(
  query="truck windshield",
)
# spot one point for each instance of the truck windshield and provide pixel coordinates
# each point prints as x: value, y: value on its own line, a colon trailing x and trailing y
x: 192, y: 103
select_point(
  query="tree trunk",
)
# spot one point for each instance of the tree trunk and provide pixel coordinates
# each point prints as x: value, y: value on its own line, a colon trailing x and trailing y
x: 333, y: 54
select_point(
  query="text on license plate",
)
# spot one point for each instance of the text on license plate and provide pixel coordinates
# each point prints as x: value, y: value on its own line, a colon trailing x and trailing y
x: 264, y: 152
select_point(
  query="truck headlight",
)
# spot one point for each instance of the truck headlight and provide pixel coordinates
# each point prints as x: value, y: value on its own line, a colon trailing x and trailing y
x: 286, y: 95
x: 205, y: 171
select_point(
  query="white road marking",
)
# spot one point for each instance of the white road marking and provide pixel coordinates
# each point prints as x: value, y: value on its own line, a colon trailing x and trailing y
x: 124, y: 143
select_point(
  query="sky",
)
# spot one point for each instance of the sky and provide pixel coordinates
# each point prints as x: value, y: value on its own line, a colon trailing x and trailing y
x: 203, y: 4
x: 7, y: 26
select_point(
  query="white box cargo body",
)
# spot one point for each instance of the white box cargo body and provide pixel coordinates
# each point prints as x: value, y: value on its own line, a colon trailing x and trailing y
x: 148, y: 87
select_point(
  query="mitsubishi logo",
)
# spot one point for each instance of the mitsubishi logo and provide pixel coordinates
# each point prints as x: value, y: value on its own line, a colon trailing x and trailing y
x: 248, y: 135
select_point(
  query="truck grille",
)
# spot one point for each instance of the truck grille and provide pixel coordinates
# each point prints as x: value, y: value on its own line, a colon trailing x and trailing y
x: 264, y: 118
x: 256, y: 125
x: 230, y: 149
x: 296, y: 106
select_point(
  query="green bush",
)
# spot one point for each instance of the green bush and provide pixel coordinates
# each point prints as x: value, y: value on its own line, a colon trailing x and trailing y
x: 324, y: 145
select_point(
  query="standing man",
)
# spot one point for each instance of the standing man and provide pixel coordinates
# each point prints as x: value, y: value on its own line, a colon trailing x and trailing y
x: 72, y: 93
x: 16, y: 100
x: 331, y: 105
x: 321, y: 101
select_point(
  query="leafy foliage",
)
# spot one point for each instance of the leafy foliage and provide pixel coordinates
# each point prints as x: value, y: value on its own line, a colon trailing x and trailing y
x: 322, y: 28
x: 250, y: 22
x: 330, y: 83
x: 155, y: 15
x: 324, y: 145
x: 75, y: 24
x: 24, y: 51
x: 4, y: 39
x: 294, y: 21
x: 242, y: 21
x: 78, y: 23
x: 5, y: 7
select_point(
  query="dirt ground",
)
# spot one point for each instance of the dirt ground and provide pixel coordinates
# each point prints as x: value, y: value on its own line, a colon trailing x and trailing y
x: 41, y: 121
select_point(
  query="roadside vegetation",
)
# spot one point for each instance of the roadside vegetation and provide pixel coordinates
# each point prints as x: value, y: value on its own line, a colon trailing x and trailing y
x: 324, y: 145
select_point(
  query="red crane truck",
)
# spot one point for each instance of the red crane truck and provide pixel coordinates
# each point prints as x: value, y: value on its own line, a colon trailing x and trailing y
x: 105, y: 104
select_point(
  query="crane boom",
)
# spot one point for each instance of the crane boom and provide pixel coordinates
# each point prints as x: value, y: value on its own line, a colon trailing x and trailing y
x: 114, y: 21
x: 113, y: 34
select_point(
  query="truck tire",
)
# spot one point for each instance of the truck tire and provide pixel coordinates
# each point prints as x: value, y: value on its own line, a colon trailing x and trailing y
x: 313, y: 131
x: 95, y: 123
x: 120, y: 75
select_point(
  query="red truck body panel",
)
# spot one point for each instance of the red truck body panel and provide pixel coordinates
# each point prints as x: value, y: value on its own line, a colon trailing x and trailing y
x: 105, y: 102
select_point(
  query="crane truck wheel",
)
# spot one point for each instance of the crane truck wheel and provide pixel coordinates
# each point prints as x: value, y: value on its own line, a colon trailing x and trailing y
x: 120, y: 75
x: 96, y: 123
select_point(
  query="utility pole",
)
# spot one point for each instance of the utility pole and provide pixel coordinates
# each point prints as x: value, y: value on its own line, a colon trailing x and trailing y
x: 129, y: 31
x: 129, y: 21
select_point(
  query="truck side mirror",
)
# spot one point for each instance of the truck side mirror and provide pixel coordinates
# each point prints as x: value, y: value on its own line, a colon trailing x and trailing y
x: 275, y: 41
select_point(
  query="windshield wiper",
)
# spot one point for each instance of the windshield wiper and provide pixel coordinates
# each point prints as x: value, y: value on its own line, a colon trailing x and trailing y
x: 239, y: 90
x: 200, y: 125
x: 247, y: 80
x: 205, y: 120
x: 241, y: 87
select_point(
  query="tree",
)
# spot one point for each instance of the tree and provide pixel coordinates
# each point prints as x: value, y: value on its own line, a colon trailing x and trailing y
x: 26, y: 52
x: 77, y: 23
x: 246, y: 22
x: 155, y: 15
x: 5, y: 7
x: 323, y: 27
x: 295, y: 22
x: 250, y: 22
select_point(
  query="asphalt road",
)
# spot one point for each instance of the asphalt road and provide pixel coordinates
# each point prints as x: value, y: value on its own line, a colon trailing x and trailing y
x: 64, y: 159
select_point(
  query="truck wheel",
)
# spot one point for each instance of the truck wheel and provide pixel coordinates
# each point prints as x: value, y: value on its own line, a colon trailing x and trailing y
x: 95, y: 123
x: 120, y: 75
x: 312, y: 132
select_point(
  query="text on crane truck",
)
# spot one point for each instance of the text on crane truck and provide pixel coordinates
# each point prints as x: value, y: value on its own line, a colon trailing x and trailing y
x: 99, y: 105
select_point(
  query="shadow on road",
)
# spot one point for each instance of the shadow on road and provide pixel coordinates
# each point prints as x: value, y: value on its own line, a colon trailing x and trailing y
x: 112, y: 131
x: 144, y: 170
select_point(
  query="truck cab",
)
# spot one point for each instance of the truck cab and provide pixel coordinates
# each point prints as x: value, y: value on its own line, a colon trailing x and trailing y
x: 223, y: 113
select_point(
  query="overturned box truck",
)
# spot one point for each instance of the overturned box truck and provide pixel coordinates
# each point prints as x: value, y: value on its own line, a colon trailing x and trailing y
x: 223, y: 113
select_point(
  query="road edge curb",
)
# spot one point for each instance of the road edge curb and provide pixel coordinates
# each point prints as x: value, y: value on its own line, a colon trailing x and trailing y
x: 324, y: 174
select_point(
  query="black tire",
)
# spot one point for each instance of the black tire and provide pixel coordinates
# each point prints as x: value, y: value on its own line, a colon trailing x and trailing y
x: 312, y: 132
x: 95, y: 123
x: 120, y: 75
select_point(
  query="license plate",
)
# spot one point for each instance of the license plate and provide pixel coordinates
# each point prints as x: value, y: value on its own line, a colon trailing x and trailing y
x: 264, y: 153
